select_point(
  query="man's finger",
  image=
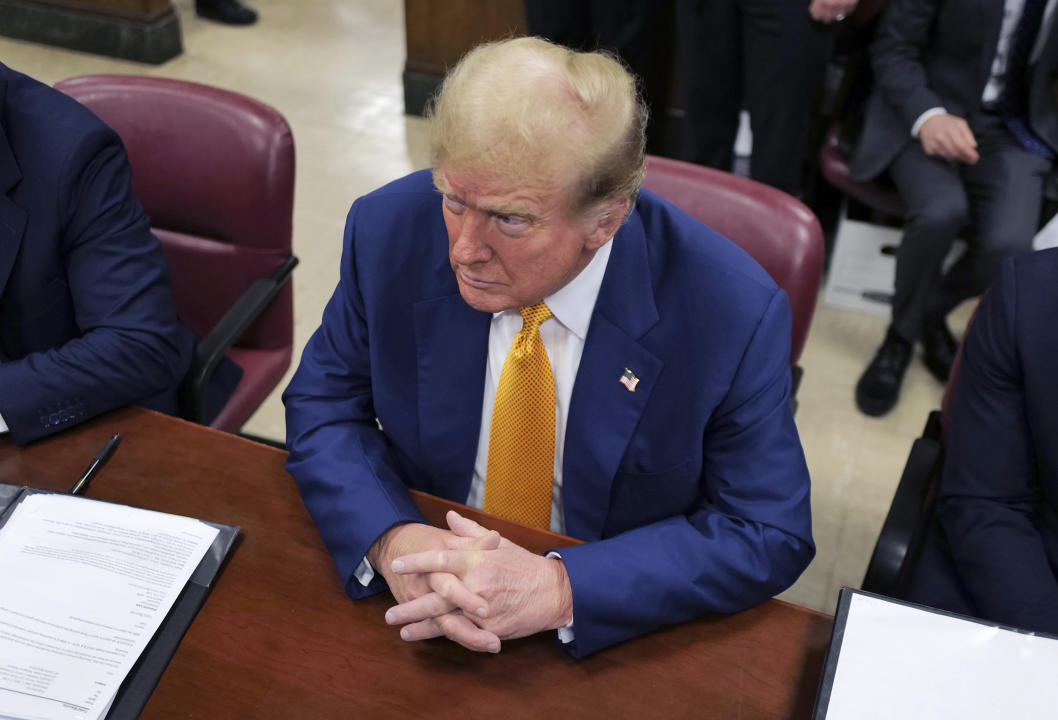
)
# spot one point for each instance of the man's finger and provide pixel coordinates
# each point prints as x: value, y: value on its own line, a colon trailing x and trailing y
x: 489, y: 541
x: 422, y: 630
x: 951, y: 147
x: 464, y: 527
x: 430, y: 605
x: 432, y: 561
x: 457, y: 629
x: 455, y: 592
x: 449, y: 593
x: 968, y: 144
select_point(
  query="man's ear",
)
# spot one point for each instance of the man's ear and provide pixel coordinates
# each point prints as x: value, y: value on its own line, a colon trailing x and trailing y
x: 608, y: 218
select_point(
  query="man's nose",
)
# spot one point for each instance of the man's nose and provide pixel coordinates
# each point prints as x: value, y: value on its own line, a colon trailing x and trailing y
x: 470, y: 246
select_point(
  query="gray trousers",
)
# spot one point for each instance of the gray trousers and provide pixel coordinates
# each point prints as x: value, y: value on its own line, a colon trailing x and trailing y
x: 997, y: 200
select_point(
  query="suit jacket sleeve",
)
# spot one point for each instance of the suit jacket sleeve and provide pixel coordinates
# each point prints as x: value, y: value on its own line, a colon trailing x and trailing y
x: 345, y: 468
x: 131, y: 345
x: 897, y: 58
x: 749, y: 536
x: 989, y: 489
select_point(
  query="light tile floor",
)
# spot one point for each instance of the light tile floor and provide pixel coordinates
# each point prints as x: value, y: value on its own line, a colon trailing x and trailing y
x: 333, y: 68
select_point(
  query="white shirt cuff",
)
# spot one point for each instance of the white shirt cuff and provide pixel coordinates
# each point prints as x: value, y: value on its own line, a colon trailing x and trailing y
x: 932, y: 112
x: 364, y: 573
x: 3, y: 425
x: 565, y: 633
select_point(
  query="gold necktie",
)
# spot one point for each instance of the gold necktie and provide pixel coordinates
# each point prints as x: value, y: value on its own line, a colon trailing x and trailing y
x: 520, y: 469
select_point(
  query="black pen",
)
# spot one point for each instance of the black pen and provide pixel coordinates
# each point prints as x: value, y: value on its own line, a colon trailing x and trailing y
x: 96, y: 465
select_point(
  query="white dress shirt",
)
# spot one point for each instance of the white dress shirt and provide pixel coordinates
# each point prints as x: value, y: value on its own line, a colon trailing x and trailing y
x: 997, y: 74
x: 563, y: 336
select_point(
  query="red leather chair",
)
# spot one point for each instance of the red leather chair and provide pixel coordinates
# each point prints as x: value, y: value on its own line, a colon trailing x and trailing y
x: 777, y: 230
x: 834, y: 164
x: 215, y: 172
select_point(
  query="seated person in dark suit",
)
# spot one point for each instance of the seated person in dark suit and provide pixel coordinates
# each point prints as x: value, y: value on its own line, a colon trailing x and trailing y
x: 87, y: 321
x: 963, y: 119
x: 527, y: 331
x: 998, y: 497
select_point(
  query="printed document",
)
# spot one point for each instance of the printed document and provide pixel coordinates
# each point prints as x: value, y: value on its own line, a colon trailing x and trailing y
x: 84, y: 585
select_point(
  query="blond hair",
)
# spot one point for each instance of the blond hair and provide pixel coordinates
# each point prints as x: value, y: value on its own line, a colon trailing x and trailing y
x: 526, y: 107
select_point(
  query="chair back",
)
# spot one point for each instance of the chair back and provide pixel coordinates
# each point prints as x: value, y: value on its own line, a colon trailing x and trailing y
x: 877, y: 194
x: 777, y: 230
x: 214, y: 171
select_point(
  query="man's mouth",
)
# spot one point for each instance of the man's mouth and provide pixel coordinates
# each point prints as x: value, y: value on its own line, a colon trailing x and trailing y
x: 474, y: 281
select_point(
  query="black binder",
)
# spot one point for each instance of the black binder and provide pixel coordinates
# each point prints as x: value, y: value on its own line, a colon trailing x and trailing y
x: 138, y: 685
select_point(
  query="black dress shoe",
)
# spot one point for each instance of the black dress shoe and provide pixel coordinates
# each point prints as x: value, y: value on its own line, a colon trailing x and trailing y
x: 939, y: 347
x: 230, y: 12
x: 879, y: 388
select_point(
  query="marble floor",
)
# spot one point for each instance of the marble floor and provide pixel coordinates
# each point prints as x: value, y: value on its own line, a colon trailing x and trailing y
x: 333, y: 69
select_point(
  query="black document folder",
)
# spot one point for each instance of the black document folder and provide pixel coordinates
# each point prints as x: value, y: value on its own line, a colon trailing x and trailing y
x: 147, y: 671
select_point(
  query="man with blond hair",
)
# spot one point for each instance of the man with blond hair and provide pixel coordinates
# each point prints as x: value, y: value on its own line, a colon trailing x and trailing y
x: 525, y: 331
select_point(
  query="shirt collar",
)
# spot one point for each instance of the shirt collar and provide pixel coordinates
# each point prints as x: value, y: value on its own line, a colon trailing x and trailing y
x: 573, y: 303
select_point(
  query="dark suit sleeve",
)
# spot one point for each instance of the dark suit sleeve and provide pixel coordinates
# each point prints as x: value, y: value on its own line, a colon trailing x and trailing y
x: 897, y: 58
x: 749, y: 536
x: 989, y: 490
x: 342, y: 461
x: 130, y: 345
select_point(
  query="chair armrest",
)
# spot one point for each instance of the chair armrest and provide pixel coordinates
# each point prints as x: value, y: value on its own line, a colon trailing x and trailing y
x: 236, y: 320
x: 900, y: 539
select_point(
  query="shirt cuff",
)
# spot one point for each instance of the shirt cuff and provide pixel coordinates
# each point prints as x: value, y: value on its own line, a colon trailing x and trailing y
x: 565, y: 633
x: 364, y: 573
x: 932, y: 112
x: 3, y: 425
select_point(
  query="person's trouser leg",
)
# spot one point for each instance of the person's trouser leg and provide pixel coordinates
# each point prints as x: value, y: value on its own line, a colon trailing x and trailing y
x: 1005, y: 190
x: 709, y: 47
x: 783, y: 58
x: 937, y: 208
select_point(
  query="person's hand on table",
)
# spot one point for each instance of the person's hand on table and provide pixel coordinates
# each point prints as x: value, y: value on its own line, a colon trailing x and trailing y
x: 526, y: 593
x: 451, y: 614
x: 829, y: 11
x: 950, y: 137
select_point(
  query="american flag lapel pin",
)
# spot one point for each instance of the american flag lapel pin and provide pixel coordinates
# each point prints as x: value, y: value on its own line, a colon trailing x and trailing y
x: 629, y: 380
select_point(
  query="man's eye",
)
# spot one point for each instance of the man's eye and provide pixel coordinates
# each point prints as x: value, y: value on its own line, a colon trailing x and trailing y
x: 512, y: 222
x: 454, y: 205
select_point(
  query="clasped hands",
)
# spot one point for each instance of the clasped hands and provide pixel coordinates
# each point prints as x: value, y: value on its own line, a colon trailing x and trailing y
x: 469, y: 584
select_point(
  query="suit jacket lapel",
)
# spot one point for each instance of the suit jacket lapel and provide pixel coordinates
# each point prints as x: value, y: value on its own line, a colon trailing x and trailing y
x: 452, y: 348
x: 12, y: 217
x: 603, y: 412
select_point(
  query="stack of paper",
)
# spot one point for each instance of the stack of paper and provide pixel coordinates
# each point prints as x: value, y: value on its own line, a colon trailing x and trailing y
x: 84, y: 587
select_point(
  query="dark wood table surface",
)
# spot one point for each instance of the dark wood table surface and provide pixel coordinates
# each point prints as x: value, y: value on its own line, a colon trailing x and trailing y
x: 278, y: 637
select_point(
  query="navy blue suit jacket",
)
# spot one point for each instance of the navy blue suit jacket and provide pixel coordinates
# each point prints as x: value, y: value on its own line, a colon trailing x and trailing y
x: 999, y: 490
x: 87, y: 321
x: 692, y: 491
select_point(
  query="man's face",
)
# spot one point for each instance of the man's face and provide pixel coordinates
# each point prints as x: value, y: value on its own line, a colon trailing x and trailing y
x: 512, y: 244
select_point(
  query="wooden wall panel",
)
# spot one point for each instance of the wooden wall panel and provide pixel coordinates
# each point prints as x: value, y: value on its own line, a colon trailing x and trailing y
x: 439, y: 33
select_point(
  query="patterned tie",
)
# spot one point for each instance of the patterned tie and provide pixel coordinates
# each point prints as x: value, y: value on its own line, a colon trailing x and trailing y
x: 1015, y: 99
x: 520, y: 469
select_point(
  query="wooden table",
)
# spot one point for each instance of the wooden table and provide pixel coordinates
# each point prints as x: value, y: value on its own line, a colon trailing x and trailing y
x: 278, y: 637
